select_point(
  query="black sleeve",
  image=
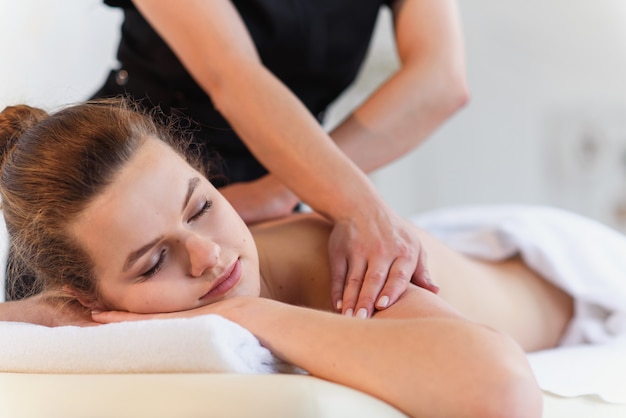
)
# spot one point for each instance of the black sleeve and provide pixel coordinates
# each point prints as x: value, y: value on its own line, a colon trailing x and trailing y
x: 124, y: 4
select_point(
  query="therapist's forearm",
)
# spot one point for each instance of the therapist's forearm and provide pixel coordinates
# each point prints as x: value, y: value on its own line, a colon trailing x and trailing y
x: 428, y: 88
x: 288, y: 140
x: 399, y: 116
x: 277, y: 128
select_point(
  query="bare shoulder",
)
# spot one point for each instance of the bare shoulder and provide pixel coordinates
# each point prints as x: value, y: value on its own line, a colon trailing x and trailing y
x: 301, y: 233
x: 303, y: 222
x: 293, y: 256
x: 419, y: 303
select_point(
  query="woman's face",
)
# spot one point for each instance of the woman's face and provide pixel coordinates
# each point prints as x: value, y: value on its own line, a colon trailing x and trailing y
x: 164, y: 239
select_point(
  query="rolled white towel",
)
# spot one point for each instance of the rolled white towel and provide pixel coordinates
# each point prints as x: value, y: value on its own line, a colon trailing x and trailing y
x: 208, y: 343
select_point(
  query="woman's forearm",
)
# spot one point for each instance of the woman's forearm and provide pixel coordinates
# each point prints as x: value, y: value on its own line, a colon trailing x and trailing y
x: 419, y: 355
x: 26, y: 310
x: 44, y: 309
x: 435, y: 366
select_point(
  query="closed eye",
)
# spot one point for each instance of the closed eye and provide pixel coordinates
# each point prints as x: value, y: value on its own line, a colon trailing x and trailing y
x: 204, y: 209
x: 156, y: 267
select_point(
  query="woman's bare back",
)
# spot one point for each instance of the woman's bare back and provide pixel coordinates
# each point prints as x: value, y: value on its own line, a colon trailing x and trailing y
x: 505, y: 295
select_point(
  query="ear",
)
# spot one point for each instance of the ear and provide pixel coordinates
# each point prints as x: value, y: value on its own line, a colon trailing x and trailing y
x: 87, y: 301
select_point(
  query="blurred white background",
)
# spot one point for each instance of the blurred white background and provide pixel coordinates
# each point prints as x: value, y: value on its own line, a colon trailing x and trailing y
x: 545, y: 125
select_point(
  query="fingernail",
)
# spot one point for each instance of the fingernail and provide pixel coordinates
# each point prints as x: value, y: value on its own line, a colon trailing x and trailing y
x: 428, y: 279
x: 95, y: 312
x: 383, y: 302
x: 432, y: 284
x: 339, y: 305
x: 362, y: 313
x: 349, y: 312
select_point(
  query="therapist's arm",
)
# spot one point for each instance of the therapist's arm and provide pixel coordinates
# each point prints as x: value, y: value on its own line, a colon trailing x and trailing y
x: 428, y: 88
x: 211, y: 40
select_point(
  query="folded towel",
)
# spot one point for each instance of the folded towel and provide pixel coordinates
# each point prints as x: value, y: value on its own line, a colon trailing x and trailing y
x: 208, y: 343
x: 577, y: 254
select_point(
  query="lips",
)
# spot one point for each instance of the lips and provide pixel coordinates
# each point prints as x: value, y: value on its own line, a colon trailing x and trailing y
x: 226, y: 281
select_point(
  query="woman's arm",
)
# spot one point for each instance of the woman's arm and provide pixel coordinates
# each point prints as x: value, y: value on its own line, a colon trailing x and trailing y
x: 369, y: 242
x: 44, y: 310
x: 25, y: 310
x: 434, y: 364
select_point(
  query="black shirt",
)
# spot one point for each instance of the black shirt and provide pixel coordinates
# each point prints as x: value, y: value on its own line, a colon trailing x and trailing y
x: 315, y: 47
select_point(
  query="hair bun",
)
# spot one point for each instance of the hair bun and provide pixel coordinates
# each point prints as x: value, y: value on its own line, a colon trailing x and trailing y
x: 14, y: 121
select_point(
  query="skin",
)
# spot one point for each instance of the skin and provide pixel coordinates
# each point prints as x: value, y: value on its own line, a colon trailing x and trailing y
x: 194, y: 237
x: 489, y: 293
x: 467, y: 341
x: 373, y: 253
x: 187, y: 249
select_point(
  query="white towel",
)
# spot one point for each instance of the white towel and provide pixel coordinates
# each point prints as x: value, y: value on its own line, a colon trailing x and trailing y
x: 581, y: 256
x: 208, y: 343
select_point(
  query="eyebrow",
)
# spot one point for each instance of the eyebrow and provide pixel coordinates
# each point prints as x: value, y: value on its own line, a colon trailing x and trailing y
x: 191, y: 186
x: 135, y: 255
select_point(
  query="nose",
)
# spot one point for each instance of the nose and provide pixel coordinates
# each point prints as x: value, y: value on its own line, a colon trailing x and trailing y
x: 204, y: 254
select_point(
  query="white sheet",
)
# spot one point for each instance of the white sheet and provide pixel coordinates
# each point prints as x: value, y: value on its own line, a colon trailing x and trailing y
x: 583, y: 257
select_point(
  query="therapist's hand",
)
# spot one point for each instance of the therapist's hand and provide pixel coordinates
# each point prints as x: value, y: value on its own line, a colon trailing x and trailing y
x: 260, y: 200
x: 373, y: 260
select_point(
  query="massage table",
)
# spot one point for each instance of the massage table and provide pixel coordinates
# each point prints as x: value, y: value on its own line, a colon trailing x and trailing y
x: 210, y: 367
x: 220, y: 396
